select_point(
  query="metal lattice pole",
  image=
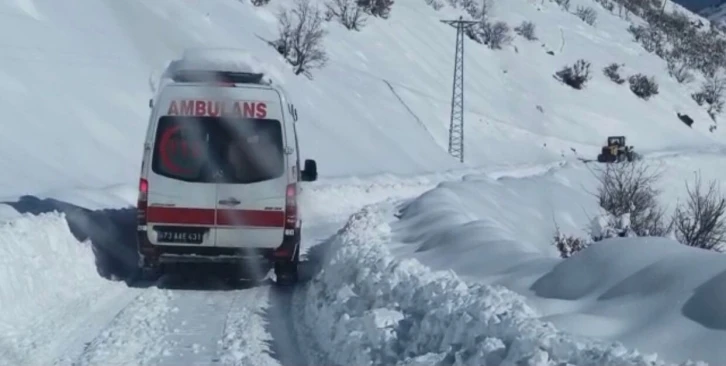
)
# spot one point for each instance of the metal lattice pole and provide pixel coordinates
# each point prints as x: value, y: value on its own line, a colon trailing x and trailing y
x: 456, y: 125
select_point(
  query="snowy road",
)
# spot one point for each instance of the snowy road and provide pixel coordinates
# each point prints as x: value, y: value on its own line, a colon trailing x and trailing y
x: 54, y: 315
x: 202, y: 321
x: 180, y: 321
x: 205, y: 321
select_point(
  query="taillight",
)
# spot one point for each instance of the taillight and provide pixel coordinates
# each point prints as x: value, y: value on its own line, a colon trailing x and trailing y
x: 290, y: 209
x: 141, y: 203
x: 289, y: 244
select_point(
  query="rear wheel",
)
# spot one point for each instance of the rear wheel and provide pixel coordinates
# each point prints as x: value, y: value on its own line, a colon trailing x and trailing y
x: 286, y: 271
x: 148, y: 270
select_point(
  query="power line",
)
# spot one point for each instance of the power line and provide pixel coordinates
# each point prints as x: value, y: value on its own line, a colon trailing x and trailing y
x: 456, y: 125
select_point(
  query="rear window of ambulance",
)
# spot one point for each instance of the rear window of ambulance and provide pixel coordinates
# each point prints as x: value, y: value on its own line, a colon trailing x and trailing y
x: 218, y: 150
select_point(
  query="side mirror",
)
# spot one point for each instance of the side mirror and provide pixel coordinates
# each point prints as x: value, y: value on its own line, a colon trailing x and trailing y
x: 310, y: 173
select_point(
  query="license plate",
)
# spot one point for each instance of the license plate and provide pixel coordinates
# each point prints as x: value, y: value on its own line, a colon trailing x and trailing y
x: 180, y: 235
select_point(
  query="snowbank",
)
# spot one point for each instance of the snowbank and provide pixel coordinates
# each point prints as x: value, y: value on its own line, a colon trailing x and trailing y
x: 364, y: 307
x: 48, y: 284
x: 652, y: 294
x: 349, y: 194
x: 113, y: 197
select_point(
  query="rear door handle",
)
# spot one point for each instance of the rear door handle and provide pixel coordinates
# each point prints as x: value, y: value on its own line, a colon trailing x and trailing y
x: 230, y: 201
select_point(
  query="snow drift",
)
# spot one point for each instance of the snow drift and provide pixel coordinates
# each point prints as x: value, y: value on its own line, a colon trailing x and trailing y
x: 48, y: 287
x: 364, y: 307
x: 652, y: 294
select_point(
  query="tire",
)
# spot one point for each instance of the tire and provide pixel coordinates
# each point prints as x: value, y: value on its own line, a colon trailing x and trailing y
x: 148, y: 271
x: 287, y: 271
x: 147, y: 274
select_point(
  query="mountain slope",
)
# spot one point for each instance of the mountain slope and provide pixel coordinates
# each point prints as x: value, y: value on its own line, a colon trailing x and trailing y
x: 77, y: 82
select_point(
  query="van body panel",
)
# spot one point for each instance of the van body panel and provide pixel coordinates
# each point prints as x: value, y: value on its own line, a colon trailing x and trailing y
x: 259, y: 219
x: 174, y: 205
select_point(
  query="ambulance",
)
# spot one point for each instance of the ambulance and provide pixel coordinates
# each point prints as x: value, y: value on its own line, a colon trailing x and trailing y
x: 221, y: 173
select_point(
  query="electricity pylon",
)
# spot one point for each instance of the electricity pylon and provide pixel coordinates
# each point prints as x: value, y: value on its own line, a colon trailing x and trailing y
x: 456, y: 125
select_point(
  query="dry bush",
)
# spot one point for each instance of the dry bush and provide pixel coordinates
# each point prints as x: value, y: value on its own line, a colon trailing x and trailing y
x: 629, y: 188
x: 347, y: 12
x: 301, y: 36
x: 568, y: 245
x: 700, y: 221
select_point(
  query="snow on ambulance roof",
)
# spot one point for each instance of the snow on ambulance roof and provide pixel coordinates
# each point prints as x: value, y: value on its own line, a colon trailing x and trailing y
x: 218, y: 59
x: 224, y: 60
x: 221, y: 59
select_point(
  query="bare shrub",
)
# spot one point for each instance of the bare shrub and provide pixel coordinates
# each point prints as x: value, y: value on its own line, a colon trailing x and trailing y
x: 612, y: 72
x: 712, y: 93
x: 628, y: 189
x: 494, y: 35
x: 575, y: 76
x: 649, y: 37
x: 643, y: 86
x: 526, y: 30
x: 568, y: 245
x: 607, y: 4
x: 347, y: 12
x: 607, y: 226
x: 259, y: 2
x: 301, y: 37
x: 377, y: 8
x: 436, y: 4
x: 679, y: 70
x: 587, y: 14
x: 700, y: 222
x: 565, y: 4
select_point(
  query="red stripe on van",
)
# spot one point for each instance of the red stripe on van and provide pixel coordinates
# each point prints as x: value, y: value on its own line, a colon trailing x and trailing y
x: 202, y: 216
x: 259, y: 218
x: 176, y: 215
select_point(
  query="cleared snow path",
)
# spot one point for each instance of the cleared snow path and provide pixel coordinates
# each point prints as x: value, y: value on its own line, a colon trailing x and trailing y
x: 209, y: 324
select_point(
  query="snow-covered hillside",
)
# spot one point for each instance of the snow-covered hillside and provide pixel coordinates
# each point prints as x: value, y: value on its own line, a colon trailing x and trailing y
x: 77, y: 81
x: 74, y: 81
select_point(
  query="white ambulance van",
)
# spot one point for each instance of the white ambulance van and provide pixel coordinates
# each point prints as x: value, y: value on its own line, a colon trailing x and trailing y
x: 221, y: 173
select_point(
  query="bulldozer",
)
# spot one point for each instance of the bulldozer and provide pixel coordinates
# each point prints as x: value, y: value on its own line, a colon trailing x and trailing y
x: 617, y: 151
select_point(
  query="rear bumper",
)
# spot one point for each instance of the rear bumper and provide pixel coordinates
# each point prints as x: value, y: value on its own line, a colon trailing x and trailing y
x: 150, y: 254
x: 194, y: 258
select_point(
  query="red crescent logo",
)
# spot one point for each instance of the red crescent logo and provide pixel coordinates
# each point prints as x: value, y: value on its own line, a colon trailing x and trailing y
x: 165, y: 152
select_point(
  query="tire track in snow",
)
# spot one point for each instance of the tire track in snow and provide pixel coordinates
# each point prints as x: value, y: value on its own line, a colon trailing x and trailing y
x: 77, y: 335
x: 259, y: 330
x: 199, y: 322
x: 135, y: 336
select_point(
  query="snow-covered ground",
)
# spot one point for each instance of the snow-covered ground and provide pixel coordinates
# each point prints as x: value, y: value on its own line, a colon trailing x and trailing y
x: 74, y: 81
x: 50, y: 292
x: 652, y: 294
